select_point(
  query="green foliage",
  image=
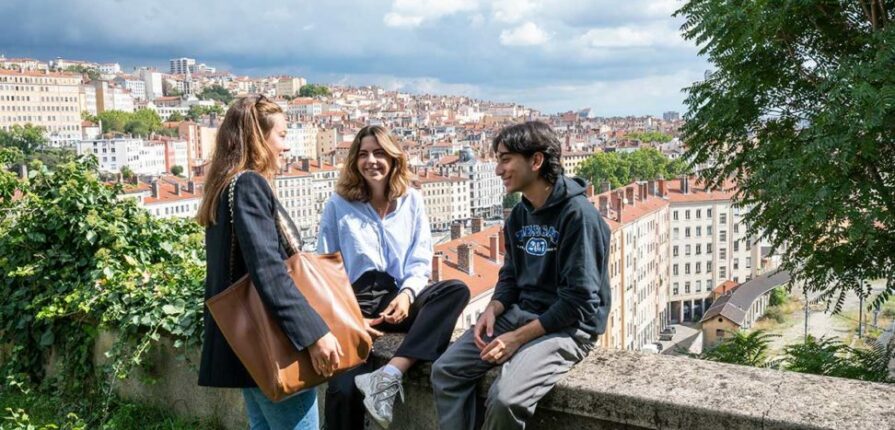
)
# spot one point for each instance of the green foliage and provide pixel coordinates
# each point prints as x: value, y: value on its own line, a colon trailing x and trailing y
x: 175, y: 117
x: 511, y: 200
x: 86, y: 116
x: 741, y: 347
x: 27, y: 139
x: 829, y: 356
x: 313, y: 90
x: 127, y: 172
x: 778, y: 297
x: 176, y: 170
x: 620, y: 168
x: 36, y: 410
x: 91, y: 73
x: 169, y: 90
x: 799, y: 111
x: 775, y: 313
x: 649, y: 136
x: 142, y: 122
x: 76, y: 260
x: 196, y: 112
x: 217, y: 93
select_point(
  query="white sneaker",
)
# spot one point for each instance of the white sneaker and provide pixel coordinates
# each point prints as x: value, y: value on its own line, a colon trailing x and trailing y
x: 380, y: 388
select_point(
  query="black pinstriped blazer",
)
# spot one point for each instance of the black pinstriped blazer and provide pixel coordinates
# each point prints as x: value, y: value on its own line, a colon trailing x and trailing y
x: 260, y: 252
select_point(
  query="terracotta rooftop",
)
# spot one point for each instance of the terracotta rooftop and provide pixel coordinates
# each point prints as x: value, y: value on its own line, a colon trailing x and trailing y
x: 485, y: 270
x: 39, y: 74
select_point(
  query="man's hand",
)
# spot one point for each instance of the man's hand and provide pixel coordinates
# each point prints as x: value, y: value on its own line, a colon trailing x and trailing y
x: 368, y: 325
x: 398, y: 309
x: 484, y: 326
x: 501, y: 348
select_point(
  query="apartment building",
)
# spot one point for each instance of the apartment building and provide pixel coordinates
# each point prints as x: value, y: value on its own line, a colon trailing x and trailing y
x: 44, y: 99
x: 142, y: 158
x: 289, y: 86
x: 294, y: 186
x: 446, y: 198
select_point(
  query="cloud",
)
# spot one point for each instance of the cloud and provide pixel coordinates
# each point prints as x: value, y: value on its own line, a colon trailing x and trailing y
x: 527, y: 34
x: 412, y: 13
x: 632, y: 37
x: 450, y: 46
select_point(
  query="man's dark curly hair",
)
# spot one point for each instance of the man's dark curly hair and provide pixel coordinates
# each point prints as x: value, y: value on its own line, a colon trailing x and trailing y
x: 531, y: 137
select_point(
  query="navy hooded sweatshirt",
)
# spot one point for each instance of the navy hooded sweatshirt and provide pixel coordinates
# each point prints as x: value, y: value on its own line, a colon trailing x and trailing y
x: 556, y: 262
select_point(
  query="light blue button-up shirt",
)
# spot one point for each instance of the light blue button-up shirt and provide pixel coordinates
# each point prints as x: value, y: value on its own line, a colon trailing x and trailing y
x: 399, y: 244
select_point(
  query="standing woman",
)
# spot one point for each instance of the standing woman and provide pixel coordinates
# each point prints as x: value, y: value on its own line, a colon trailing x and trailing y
x: 378, y: 223
x: 247, y: 151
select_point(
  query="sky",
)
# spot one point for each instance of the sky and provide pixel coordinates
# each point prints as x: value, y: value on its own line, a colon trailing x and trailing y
x: 616, y: 57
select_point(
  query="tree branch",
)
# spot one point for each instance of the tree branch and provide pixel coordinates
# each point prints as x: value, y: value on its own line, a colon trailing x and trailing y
x: 866, y: 11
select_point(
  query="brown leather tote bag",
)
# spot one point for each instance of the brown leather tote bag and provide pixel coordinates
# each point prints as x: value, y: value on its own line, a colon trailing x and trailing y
x: 259, y: 342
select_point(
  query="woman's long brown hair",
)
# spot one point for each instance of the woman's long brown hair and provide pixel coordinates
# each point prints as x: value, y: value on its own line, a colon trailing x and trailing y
x: 241, y: 145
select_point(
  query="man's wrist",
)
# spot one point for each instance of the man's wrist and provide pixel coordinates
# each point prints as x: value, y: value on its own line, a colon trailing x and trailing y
x: 497, y: 307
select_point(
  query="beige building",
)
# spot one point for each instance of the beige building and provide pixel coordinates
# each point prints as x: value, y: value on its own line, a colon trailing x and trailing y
x: 709, y: 245
x: 289, y: 86
x: 446, y: 198
x: 48, y: 100
x: 571, y: 161
x: 638, y: 263
x: 327, y: 139
x: 295, y: 190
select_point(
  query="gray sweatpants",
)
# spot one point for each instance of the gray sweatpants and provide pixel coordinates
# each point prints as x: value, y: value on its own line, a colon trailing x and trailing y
x: 523, y: 380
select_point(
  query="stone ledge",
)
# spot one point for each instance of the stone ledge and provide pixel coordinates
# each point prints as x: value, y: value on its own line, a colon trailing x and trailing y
x: 623, y: 389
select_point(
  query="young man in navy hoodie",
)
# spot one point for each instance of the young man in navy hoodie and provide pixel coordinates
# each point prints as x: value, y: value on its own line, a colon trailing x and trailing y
x: 552, y: 296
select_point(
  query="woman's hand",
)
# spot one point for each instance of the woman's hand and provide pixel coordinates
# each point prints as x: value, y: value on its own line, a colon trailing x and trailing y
x: 325, y: 353
x: 369, y: 323
x: 398, y: 309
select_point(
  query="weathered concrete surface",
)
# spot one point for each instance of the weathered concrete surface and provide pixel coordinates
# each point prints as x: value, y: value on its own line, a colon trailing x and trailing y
x: 621, y: 389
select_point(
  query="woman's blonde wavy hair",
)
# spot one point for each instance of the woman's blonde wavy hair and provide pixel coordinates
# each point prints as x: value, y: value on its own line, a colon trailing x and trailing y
x: 241, y: 145
x: 351, y: 184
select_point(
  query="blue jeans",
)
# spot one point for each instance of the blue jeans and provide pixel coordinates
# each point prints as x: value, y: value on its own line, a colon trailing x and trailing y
x: 298, y: 412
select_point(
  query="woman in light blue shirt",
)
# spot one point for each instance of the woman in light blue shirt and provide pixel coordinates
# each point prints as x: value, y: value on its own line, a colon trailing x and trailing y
x: 379, y: 224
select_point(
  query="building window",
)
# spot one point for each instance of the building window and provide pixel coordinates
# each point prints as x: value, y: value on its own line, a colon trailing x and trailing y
x: 698, y: 248
x: 686, y: 249
x: 687, y: 232
x: 698, y: 213
x: 675, y: 215
x: 722, y: 272
x: 748, y: 262
x: 736, y: 264
x: 687, y: 214
x: 708, y: 266
x: 719, y: 332
x: 675, y: 233
x: 736, y: 227
x: 674, y: 289
x: 722, y: 253
x: 708, y: 230
x: 722, y: 235
x: 698, y: 231
x: 736, y: 246
x: 708, y: 212
x: 708, y: 248
x: 687, y: 268
x: 698, y: 286
x: 722, y: 218
x: 674, y: 270
x: 698, y: 267
x: 674, y: 250
x: 686, y: 288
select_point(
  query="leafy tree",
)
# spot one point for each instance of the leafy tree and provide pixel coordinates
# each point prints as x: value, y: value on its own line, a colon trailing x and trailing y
x: 778, y: 297
x: 91, y: 73
x: 127, y: 172
x: 196, y: 112
x: 749, y: 349
x: 312, y: 90
x: 650, y: 136
x: 175, y: 117
x: 511, y: 200
x: 799, y: 111
x: 113, y: 120
x: 169, y: 90
x: 86, y: 116
x: 142, y: 122
x: 217, y: 93
x: 27, y: 139
x: 176, y: 170
x: 620, y: 168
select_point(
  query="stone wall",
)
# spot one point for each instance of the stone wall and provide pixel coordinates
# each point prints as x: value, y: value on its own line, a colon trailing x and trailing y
x: 608, y: 390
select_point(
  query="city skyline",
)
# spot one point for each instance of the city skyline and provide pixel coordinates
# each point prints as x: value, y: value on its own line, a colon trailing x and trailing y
x: 553, y: 56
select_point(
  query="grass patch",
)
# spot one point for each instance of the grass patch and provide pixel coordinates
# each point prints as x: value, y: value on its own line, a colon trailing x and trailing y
x: 779, y: 318
x: 32, y: 410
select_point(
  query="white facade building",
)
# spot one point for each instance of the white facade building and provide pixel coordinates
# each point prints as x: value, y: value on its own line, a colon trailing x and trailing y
x: 114, y: 154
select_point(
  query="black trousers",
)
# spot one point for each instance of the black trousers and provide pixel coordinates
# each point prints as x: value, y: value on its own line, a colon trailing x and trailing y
x: 428, y: 329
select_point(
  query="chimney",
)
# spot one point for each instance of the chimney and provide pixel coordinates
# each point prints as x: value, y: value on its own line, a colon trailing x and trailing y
x: 155, y: 189
x: 663, y: 188
x: 464, y: 257
x: 177, y: 188
x: 642, y: 191
x: 305, y: 165
x: 685, y: 185
x: 604, y: 206
x: 605, y: 187
x: 477, y: 223
x: 651, y: 188
x: 502, y: 246
x: 589, y: 191
x: 629, y: 195
x: 191, y: 187
x: 437, y: 266
x: 618, y: 202
x: 456, y: 230
x: 493, y: 246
